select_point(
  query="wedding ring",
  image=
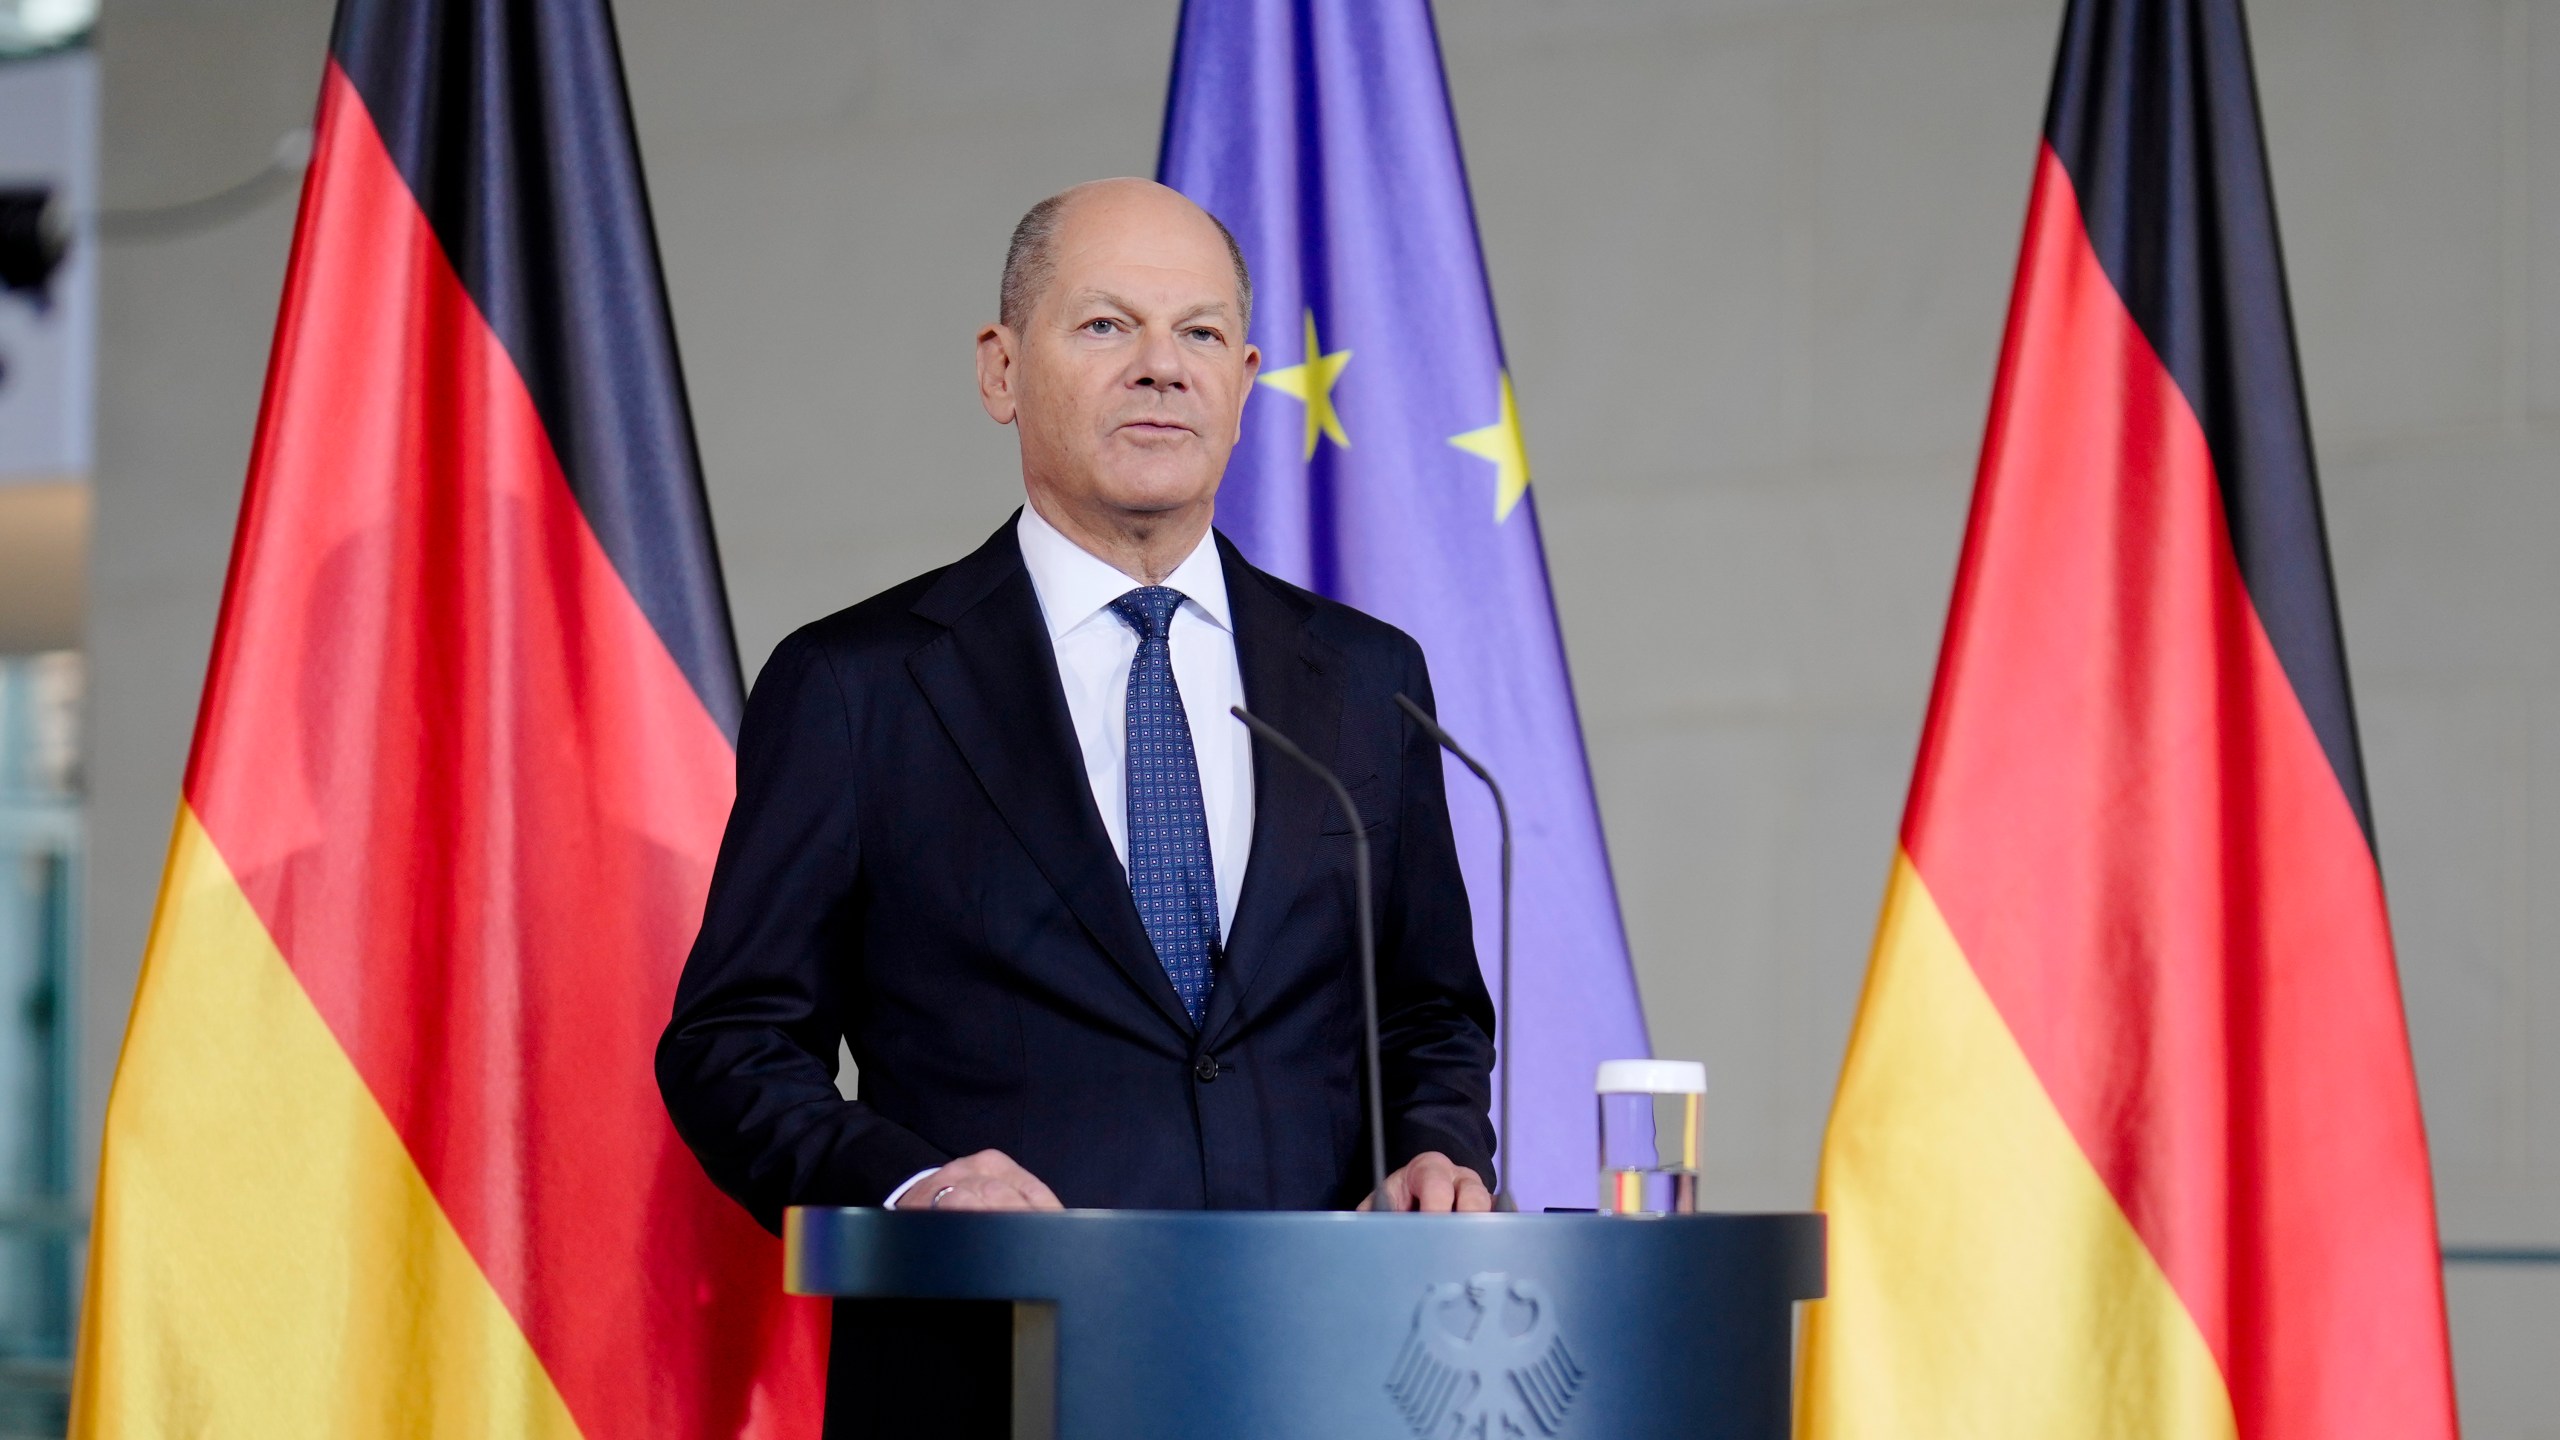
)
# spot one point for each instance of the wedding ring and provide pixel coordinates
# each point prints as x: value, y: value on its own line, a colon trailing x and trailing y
x: 936, y: 1202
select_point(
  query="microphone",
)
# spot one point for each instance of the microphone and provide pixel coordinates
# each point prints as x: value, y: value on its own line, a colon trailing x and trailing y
x: 1502, y: 812
x: 1368, y: 941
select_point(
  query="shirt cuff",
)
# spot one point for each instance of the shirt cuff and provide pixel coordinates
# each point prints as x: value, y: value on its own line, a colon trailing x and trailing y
x: 901, y: 1192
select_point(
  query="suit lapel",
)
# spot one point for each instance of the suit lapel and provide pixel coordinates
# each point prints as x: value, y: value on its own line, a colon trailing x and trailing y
x: 992, y: 680
x: 1292, y: 680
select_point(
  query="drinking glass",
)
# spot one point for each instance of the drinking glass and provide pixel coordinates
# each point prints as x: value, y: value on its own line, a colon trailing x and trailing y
x: 1650, y: 1113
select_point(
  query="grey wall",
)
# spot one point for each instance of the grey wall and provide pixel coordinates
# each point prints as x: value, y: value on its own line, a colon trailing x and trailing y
x: 1752, y: 260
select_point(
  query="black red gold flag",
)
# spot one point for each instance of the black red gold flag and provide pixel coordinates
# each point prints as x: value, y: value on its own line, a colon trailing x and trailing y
x: 385, y: 1154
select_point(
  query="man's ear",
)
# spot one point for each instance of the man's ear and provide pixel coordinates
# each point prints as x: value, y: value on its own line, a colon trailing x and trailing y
x: 1252, y: 368
x: 998, y: 347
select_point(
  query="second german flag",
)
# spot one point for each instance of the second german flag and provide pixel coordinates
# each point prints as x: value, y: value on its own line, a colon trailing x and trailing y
x: 2128, y: 1142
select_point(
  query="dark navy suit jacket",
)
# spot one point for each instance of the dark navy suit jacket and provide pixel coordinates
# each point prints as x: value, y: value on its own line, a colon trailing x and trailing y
x: 916, y: 864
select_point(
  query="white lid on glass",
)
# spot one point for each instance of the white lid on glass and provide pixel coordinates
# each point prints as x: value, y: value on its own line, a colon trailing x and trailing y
x: 1653, y: 1077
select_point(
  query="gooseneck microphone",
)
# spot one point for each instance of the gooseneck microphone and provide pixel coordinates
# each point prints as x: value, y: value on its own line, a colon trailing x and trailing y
x: 1502, y: 813
x: 1368, y: 940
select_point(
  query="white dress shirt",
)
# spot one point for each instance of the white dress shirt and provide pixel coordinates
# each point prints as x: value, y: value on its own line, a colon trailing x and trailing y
x: 1095, y: 649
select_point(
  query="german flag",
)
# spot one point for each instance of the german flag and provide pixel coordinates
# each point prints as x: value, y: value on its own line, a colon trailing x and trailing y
x: 2128, y: 1142
x: 384, y: 1154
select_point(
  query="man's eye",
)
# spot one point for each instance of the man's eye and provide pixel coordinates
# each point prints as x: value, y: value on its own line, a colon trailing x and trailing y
x: 1203, y: 333
x: 1099, y: 327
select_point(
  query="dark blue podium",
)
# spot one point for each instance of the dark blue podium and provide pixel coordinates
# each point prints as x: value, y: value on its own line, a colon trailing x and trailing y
x: 1136, y: 1323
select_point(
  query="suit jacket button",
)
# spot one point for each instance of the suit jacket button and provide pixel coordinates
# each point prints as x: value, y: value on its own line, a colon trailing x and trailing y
x: 1206, y: 1070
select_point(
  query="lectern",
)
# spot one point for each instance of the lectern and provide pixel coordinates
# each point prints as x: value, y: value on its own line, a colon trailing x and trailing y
x: 1345, y: 1327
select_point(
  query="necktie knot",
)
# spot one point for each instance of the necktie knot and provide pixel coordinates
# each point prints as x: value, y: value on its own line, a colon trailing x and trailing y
x: 1148, y: 609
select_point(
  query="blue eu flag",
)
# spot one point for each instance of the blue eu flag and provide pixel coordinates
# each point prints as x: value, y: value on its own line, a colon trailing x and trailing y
x: 1382, y: 465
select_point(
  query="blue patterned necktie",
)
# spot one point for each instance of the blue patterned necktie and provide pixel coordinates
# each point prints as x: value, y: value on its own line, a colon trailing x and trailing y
x: 1169, y: 870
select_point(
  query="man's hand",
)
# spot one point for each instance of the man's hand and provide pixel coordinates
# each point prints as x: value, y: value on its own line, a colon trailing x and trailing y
x: 988, y: 1180
x: 1430, y: 1182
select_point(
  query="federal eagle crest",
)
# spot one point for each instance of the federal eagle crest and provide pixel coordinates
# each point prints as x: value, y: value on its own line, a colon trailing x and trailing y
x: 1484, y: 1361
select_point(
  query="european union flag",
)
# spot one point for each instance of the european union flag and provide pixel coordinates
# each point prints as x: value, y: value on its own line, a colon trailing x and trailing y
x: 1381, y: 464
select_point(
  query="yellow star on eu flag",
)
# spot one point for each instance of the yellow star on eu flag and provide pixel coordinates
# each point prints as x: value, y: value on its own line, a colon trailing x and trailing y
x: 1499, y: 442
x: 1311, y: 382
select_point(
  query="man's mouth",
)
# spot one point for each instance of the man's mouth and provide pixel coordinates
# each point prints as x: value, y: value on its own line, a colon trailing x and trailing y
x: 1155, y: 427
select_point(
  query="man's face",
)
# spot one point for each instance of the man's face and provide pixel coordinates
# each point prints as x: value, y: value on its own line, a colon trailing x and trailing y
x: 1128, y: 379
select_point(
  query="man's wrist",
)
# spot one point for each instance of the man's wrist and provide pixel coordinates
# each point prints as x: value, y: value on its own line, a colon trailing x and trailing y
x: 908, y: 1184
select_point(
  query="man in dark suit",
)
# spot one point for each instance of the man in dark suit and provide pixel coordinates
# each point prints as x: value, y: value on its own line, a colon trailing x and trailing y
x: 996, y: 830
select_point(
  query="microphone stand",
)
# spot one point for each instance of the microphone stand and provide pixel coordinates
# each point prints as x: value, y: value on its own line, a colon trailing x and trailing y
x: 1502, y: 812
x: 1368, y: 941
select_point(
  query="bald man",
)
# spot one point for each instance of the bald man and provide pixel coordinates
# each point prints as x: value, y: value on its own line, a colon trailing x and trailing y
x: 997, y: 831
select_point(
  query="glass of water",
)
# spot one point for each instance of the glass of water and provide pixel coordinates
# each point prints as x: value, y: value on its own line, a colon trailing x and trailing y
x: 1650, y: 1113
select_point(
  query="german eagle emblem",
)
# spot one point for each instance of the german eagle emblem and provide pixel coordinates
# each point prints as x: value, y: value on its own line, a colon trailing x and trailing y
x: 1484, y: 1361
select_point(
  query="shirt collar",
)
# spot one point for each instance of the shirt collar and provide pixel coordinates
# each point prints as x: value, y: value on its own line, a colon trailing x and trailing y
x: 1074, y: 584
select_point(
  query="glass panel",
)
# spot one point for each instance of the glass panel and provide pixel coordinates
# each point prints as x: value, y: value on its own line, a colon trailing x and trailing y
x: 41, y: 1224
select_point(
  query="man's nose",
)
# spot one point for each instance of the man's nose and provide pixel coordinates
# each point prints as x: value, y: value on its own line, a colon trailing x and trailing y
x: 1160, y: 364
